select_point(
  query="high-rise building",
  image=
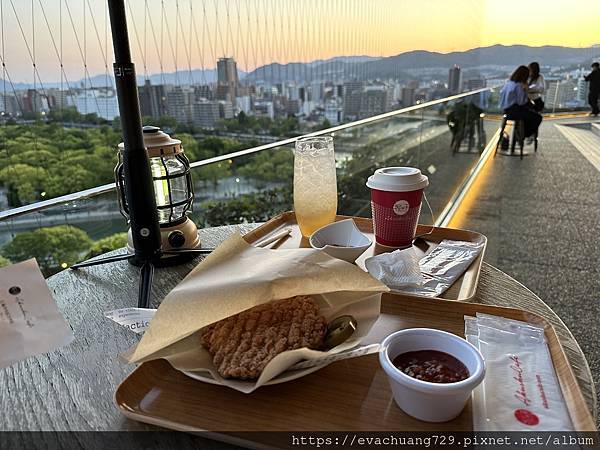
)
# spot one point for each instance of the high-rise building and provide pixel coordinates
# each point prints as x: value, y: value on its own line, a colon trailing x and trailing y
x: 223, y: 92
x: 225, y: 110
x: 374, y: 100
x: 407, y: 96
x: 34, y: 101
x: 302, y: 94
x: 292, y: 107
x: 294, y: 93
x: 333, y: 111
x: 205, y: 114
x: 264, y: 108
x: 227, y: 79
x: 351, y: 86
x: 352, y: 99
x: 153, y: 100
x: 59, y: 98
x: 203, y: 91
x: 244, y: 103
x: 179, y: 101
x: 475, y: 83
x: 316, y: 92
x: 9, y: 104
x: 455, y: 80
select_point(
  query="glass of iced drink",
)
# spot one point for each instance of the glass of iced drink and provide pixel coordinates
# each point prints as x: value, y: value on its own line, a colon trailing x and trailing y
x: 315, y: 187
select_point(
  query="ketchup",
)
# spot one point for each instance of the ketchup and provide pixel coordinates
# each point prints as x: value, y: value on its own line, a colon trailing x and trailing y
x: 432, y: 366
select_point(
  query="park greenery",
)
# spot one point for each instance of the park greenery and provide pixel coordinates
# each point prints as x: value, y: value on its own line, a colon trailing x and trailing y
x: 54, y: 248
x: 45, y: 160
x: 279, y: 127
x: 107, y: 244
x: 65, y: 152
x: 248, y: 208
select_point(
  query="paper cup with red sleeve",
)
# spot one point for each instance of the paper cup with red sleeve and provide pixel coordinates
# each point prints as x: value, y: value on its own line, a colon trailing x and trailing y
x: 396, y: 195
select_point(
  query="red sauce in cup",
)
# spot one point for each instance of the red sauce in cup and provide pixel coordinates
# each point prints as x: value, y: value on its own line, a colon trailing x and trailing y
x: 432, y: 366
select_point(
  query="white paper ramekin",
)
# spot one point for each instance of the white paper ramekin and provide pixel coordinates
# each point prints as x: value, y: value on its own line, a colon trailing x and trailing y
x: 431, y: 402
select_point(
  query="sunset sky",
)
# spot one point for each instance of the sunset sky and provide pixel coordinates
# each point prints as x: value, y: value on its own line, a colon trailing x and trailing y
x: 256, y: 32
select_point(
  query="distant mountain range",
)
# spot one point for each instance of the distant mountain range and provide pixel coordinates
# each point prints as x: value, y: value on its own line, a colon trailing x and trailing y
x: 367, y: 67
x: 496, y: 55
x: 397, y: 66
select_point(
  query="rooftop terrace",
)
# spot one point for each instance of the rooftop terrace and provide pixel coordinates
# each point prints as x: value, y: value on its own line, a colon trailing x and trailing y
x: 541, y: 218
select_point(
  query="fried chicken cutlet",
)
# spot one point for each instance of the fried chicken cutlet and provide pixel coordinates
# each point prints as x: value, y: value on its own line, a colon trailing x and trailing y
x: 242, y: 345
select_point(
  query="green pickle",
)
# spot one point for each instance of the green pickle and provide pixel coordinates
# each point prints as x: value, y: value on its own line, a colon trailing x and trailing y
x: 339, y: 330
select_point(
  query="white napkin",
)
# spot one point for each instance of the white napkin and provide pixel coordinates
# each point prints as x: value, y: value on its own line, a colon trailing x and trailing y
x: 398, y: 269
x: 30, y: 322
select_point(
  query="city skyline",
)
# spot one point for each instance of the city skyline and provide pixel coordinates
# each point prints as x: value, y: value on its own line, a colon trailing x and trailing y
x: 256, y: 32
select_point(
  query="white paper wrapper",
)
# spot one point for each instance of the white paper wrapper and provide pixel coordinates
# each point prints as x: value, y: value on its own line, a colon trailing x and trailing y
x: 134, y: 319
x: 238, y: 276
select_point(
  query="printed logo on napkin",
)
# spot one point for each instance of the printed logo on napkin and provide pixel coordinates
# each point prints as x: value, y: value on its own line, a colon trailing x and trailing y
x: 30, y: 322
x: 135, y: 319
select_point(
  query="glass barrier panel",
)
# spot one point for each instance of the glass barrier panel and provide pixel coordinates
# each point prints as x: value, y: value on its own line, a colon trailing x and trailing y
x: 444, y: 141
x: 63, y: 235
x: 251, y: 188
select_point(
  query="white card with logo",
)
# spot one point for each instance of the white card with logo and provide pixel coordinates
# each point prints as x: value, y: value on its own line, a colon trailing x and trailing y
x: 136, y: 319
x: 30, y: 322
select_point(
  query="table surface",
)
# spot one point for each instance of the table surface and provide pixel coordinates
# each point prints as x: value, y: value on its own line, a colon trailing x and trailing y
x: 73, y: 388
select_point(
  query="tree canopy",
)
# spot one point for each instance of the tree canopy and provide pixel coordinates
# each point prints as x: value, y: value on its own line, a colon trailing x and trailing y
x: 53, y: 247
x: 107, y: 244
x: 46, y: 160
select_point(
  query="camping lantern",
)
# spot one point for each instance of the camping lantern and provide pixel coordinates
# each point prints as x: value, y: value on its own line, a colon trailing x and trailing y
x: 173, y: 190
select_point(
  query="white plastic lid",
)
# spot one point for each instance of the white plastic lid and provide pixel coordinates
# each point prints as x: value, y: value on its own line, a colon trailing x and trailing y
x: 158, y: 143
x: 397, y: 179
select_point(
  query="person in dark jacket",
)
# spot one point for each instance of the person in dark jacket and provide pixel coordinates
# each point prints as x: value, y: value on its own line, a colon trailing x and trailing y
x: 594, y: 79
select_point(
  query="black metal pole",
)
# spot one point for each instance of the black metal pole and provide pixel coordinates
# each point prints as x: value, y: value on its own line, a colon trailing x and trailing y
x: 139, y: 189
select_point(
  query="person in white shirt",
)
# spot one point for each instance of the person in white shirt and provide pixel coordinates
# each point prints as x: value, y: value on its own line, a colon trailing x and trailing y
x: 537, y: 86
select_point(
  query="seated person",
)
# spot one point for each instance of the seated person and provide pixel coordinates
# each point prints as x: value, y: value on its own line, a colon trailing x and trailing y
x: 537, y: 86
x: 515, y: 102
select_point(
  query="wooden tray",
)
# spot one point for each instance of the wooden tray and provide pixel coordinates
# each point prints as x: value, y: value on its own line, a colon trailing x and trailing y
x: 351, y: 395
x: 463, y: 289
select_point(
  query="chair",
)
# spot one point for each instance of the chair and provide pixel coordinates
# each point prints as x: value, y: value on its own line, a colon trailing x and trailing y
x: 518, y: 133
